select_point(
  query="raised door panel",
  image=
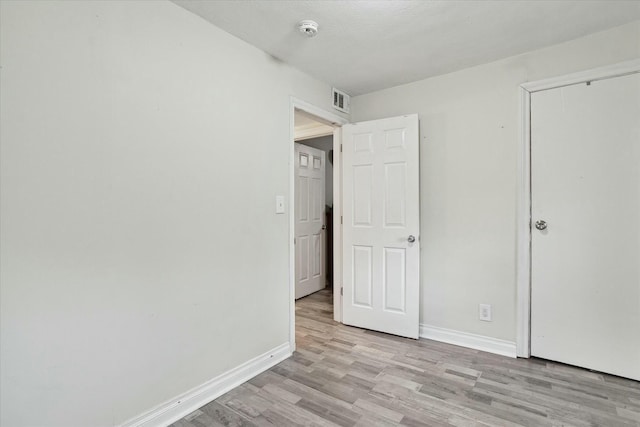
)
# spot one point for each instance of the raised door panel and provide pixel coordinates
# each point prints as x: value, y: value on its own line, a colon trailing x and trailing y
x: 395, y: 280
x: 395, y: 193
x: 362, y: 199
x: 362, y: 276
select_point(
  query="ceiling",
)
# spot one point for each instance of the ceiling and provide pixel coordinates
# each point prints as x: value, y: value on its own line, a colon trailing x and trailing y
x: 308, y: 126
x: 363, y: 46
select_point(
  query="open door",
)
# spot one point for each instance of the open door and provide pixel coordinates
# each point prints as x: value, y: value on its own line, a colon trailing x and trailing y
x: 309, y: 227
x: 381, y: 225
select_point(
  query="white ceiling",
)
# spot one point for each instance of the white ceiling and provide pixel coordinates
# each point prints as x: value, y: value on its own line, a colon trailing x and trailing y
x: 363, y: 46
x: 308, y: 126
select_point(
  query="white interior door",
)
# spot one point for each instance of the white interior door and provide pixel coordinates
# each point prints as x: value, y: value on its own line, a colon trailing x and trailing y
x: 381, y: 248
x: 309, y: 214
x: 585, y: 184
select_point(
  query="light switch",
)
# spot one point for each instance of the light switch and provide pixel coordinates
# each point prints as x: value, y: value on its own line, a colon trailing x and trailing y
x: 279, y: 204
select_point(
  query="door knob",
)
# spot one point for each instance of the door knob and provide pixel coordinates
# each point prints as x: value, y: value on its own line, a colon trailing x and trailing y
x: 541, y: 224
x: 411, y: 239
x: 324, y: 227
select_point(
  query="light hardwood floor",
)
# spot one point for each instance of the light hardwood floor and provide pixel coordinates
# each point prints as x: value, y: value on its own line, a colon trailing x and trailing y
x: 347, y: 376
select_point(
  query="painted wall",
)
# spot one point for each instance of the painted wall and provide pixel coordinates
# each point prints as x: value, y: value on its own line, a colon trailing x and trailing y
x: 140, y: 250
x: 324, y: 143
x: 469, y: 137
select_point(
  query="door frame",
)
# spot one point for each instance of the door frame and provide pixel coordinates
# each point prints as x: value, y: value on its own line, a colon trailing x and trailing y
x: 523, y: 235
x: 337, y: 122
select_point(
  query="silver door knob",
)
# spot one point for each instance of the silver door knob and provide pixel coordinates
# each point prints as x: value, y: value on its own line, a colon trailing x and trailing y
x: 541, y: 224
x: 324, y: 227
x: 411, y: 239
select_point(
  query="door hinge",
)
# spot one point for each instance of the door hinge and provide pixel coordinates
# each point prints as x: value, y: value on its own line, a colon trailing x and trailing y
x: 341, y: 148
x: 341, y: 290
x: 340, y: 219
x: 294, y: 240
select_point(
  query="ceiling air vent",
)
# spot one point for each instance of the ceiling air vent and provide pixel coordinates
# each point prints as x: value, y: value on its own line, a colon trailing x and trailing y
x: 341, y: 100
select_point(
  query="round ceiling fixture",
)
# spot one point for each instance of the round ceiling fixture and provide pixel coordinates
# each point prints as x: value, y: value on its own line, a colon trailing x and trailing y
x: 308, y: 27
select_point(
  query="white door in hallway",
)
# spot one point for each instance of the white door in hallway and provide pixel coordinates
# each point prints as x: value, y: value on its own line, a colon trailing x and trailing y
x: 585, y: 254
x: 381, y: 225
x: 309, y: 214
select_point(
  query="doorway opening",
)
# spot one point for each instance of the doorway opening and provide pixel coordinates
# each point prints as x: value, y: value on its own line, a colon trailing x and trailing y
x: 313, y: 204
x: 315, y: 255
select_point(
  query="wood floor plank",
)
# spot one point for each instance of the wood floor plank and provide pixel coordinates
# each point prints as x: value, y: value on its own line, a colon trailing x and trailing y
x: 346, y: 376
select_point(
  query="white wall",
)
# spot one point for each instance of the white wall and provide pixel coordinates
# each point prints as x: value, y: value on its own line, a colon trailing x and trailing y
x: 140, y: 251
x: 469, y: 136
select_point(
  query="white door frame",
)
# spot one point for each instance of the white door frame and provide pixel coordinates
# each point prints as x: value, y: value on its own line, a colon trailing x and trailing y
x: 337, y: 122
x: 523, y: 247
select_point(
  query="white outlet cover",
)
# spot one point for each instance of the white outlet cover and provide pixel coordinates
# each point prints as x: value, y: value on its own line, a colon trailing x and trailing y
x: 484, y: 312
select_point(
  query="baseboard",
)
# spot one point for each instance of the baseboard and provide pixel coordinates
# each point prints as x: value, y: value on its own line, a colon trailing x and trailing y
x: 176, y: 408
x: 465, y: 339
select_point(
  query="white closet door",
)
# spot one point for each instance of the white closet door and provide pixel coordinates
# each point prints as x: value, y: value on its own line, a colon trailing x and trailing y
x: 585, y: 162
x: 381, y: 248
x: 309, y: 214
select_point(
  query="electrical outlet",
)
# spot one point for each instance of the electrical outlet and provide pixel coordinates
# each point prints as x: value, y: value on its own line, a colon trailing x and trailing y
x: 484, y: 312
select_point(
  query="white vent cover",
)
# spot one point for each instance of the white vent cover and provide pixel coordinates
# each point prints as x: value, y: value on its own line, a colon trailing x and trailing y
x: 341, y: 100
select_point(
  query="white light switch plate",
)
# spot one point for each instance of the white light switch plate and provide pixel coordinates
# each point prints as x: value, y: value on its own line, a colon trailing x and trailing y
x: 279, y: 204
x: 484, y: 312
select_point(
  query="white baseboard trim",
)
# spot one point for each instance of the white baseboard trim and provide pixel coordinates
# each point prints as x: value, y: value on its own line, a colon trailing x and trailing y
x: 184, y: 404
x: 465, y: 339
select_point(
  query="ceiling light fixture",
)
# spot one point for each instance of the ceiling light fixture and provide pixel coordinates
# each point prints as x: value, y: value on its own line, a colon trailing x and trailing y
x: 308, y: 27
